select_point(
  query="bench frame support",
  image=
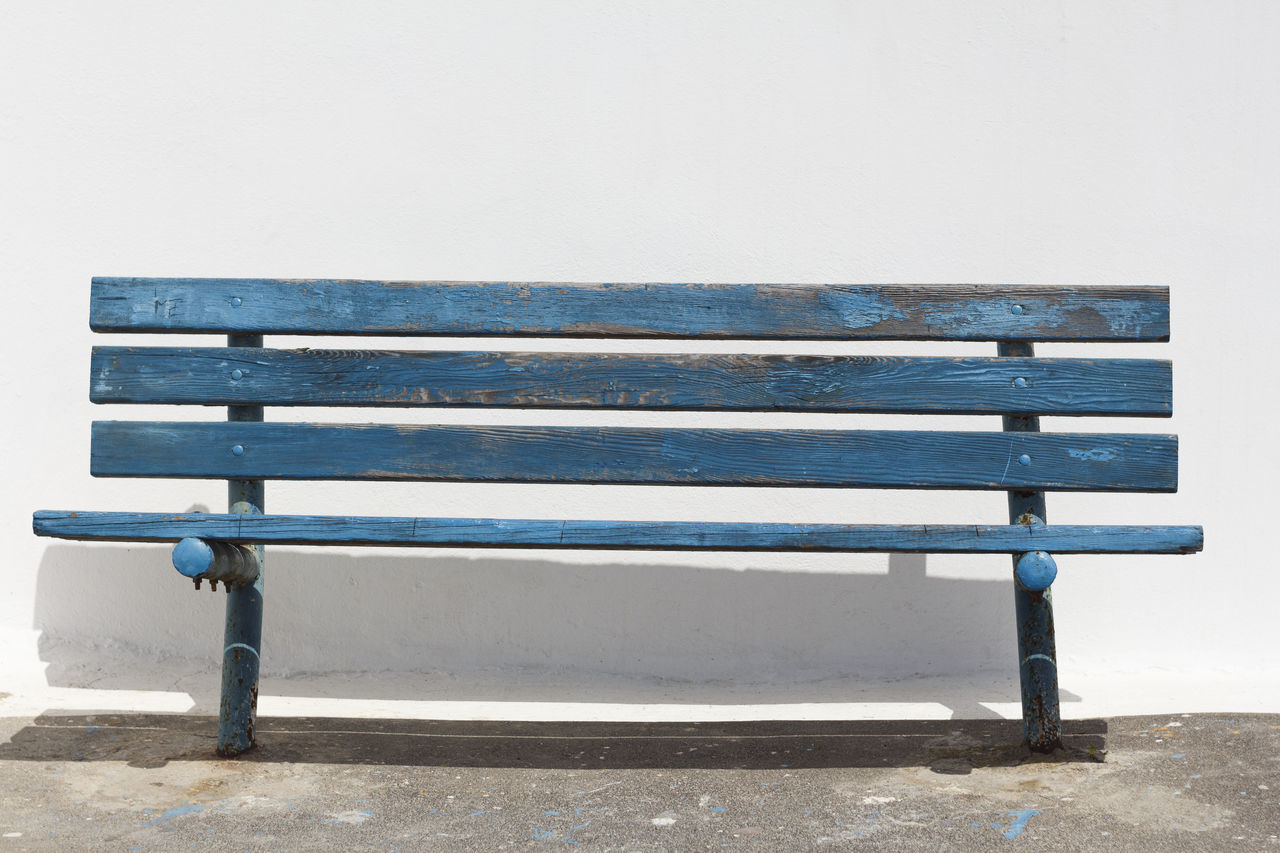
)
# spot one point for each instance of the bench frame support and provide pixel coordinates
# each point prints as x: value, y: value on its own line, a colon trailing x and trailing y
x: 1037, y: 652
x: 242, y: 644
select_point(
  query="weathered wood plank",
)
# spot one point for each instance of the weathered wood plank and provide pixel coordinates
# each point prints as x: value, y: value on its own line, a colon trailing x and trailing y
x: 885, y: 384
x: 772, y: 311
x: 710, y: 457
x: 630, y: 535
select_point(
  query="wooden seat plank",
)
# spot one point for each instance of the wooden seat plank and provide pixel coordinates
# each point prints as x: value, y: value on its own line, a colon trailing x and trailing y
x: 629, y: 535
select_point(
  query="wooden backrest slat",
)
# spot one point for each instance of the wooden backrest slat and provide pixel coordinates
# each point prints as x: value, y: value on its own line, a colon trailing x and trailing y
x: 708, y: 382
x: 745, y: 311
x: 626, y: 455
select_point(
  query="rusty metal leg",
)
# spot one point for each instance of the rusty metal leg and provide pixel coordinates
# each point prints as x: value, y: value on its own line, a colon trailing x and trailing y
x: 1037, y: 655
x: 242, y: 644
x: 1041, y: 719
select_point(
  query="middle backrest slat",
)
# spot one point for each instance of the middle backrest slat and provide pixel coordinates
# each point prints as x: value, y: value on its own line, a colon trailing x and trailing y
x: 625, y: 455
x: 709, y: 382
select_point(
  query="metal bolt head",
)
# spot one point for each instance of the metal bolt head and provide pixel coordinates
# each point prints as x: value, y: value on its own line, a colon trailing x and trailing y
x: 236, y: 302
x: 237, y: 450
x: 1024, y: 459
x: 237, y: 374
x: 1020, y: 382
x: 1017, y: 309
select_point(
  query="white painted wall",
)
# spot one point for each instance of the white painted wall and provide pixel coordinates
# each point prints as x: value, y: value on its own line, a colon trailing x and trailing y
x: 1088, y: 143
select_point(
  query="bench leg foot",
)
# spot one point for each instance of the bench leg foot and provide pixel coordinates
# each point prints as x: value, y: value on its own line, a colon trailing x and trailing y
x: 1041, y: 719
x: 240, y: 657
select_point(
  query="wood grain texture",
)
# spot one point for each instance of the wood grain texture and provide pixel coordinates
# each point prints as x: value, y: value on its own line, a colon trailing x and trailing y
x: 630, y: 535
x: 710, y: 457
x: 883, y: 384
x: 772, y: 311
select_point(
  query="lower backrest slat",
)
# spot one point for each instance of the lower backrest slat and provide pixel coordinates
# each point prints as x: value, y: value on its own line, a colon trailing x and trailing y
x: 725, y: 457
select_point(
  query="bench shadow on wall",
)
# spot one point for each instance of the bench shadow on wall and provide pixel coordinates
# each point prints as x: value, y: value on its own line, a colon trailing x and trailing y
x: 119, y: 617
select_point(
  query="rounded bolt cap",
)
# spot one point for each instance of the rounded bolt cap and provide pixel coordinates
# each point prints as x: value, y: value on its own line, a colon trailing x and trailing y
x: 1024, y: 459
x: 192, y: 557
x: 237, y: 450
x: 1036, y: 570
x: 1020, y: 382
x: 1018, y: 309
x: 237, y: 374
x: 236, y: 302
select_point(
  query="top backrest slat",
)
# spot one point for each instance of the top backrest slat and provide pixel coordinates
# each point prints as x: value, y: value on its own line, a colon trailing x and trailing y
x: 740, y: 311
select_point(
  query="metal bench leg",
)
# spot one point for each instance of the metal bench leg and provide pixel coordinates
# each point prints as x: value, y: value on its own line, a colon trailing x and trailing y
x: 1038, y: 669
x: 242, y: 643
x: 1037, y: 655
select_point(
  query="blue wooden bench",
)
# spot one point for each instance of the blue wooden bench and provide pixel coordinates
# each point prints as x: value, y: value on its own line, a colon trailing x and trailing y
x: 246, y: 451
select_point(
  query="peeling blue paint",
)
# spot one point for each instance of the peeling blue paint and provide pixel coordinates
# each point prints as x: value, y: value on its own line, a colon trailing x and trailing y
x: 859, y: 308
x: 1094, y: 454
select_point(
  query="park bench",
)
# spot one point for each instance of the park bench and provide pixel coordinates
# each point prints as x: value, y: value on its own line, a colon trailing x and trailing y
x: 245, y: 450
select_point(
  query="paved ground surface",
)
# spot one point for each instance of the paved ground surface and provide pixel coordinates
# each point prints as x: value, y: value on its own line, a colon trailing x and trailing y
x: 138, y: 782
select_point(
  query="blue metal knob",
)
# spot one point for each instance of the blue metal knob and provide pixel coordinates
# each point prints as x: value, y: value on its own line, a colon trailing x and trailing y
x: 1036, y: 570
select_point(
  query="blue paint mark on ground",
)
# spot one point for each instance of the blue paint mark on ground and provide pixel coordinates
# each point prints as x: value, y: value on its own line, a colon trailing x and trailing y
x: 172, y: 813
x: 1178, y: 755
x: 1020, y: 818
x: 718, y: 809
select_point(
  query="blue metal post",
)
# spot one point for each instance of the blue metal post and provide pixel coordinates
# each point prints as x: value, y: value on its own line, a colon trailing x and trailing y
x: 243, y: 634
x: 1037, y: 655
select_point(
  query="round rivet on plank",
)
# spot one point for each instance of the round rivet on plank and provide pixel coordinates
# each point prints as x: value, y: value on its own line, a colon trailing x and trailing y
x: 237, y: 450
x: 1020, y: 382
x: 1035, y: 570
x: 237, y: 374
x: 236, y: 302
x: 1024, y: 459
x: 1018, y: 309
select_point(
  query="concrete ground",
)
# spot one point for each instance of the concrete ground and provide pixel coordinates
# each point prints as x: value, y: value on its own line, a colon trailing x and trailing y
x: 142, y: 782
